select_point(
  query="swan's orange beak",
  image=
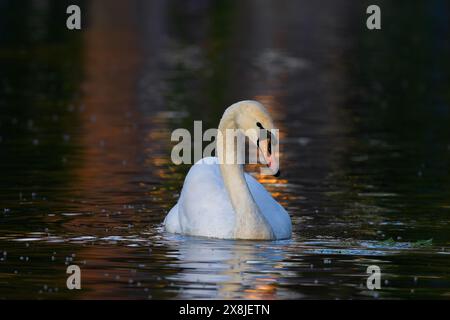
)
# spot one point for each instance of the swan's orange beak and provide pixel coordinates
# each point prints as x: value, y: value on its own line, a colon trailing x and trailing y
x: 272, y: 163
x: 271, y: 159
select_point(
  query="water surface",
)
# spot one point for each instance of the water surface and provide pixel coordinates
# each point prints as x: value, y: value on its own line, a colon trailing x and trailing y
x: 85, y: 124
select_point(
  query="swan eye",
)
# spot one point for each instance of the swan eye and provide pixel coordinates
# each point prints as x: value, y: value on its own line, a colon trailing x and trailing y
x: 267, y: 136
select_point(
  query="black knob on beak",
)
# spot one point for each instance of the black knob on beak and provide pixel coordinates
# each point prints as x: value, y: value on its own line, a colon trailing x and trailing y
x: 277, y: 174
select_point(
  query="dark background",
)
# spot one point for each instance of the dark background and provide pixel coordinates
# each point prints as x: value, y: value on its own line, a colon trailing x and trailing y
x: 85, y: 123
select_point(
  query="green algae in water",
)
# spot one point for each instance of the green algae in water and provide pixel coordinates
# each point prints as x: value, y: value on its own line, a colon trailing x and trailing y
x: 418, y: 244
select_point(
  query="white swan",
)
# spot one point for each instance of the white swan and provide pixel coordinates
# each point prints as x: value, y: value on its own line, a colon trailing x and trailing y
x: 221, y: 200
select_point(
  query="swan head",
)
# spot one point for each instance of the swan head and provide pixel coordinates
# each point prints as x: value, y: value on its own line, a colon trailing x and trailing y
x: 255, y: 122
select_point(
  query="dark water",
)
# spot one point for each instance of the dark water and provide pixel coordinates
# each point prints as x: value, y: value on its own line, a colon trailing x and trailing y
x: 85, y: 124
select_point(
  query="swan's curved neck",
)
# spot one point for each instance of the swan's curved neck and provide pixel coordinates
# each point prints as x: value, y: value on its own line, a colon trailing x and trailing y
x: 250, y: 223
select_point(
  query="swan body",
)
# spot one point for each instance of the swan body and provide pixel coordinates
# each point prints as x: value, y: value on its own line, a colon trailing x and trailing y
x: 204, y: 207
x: 222, y: 201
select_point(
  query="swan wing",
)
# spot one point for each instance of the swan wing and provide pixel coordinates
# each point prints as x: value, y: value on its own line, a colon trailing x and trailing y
x: 204, y: 207
x: 275, y: 214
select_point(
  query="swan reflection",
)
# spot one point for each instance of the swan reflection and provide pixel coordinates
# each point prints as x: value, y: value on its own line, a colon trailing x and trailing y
x: 227, y: 269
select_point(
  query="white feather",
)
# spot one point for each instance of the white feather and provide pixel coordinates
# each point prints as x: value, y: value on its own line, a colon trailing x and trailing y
x: 204, y: 207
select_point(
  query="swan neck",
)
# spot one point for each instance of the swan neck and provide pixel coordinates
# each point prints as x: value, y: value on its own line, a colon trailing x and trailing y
x: 250, y: 223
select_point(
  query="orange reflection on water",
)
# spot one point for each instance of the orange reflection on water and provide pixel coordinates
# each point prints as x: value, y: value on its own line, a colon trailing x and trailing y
x: 266, y: 290
x: 108, y: 139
